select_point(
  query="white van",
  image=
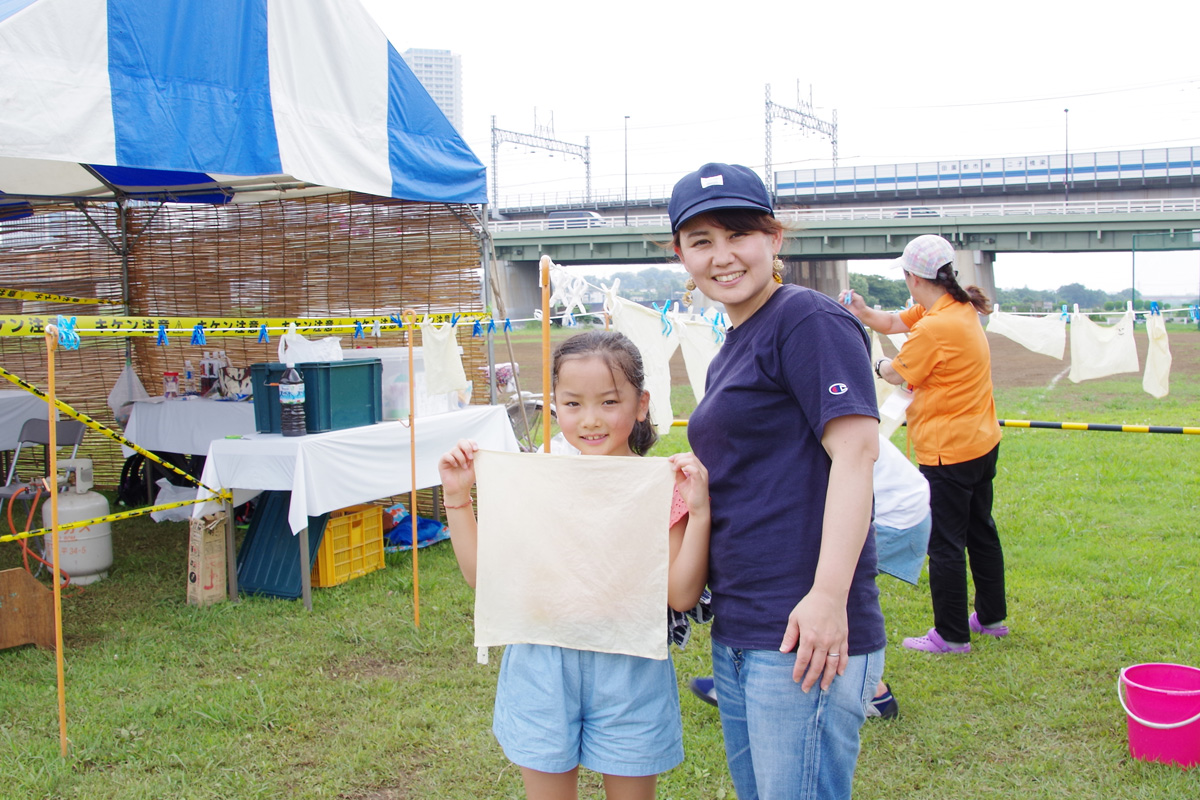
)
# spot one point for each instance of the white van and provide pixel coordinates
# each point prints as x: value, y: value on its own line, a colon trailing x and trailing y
x: 557, y: 220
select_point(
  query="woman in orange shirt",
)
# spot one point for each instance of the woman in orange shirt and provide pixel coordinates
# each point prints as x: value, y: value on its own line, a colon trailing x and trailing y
x: 953, y: 427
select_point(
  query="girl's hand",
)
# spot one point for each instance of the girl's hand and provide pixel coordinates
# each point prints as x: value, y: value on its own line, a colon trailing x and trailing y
x: 691, y: 479
x: 457, y: 470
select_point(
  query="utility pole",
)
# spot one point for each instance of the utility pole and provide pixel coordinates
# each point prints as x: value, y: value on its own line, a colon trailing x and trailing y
x: 547, y: 142
x: 806, y: 118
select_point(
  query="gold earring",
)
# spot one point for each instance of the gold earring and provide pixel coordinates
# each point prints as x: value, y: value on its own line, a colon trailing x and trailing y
x: 690, y: 286
x: 777, y: 270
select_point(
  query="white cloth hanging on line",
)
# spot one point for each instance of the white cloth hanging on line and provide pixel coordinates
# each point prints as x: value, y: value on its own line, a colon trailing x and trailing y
x: 1045, y: 335
x: 699, y: 341
x: 443, y: 363
x: 1098, y: 351
x: 644, y: 327
x: 573, y: 551
x: 1156, y: 380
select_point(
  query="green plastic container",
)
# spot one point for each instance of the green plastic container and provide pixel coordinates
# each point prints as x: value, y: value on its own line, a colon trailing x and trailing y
x: 337, y: 394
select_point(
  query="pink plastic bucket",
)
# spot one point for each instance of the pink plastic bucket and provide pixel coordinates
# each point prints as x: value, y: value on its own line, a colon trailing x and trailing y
x: 1163, y: 705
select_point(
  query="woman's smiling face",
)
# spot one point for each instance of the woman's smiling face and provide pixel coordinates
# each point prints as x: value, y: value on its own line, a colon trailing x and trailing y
x: 731, y: 267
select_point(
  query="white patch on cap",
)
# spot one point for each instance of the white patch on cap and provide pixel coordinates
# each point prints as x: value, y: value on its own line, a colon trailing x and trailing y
x: 715, y: 180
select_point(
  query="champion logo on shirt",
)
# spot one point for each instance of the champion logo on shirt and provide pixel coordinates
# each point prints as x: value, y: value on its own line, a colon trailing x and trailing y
x: 838, y: 388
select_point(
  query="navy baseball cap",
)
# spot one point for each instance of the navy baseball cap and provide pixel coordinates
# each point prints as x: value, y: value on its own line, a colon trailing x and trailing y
x: 716, y: 186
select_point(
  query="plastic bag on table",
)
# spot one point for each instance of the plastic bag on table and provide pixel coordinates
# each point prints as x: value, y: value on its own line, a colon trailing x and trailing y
x: 295, y: 349
x: 125, y: 392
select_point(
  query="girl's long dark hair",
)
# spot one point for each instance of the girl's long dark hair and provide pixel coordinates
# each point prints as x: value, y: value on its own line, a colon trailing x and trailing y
x: 620, y: 354
x: 947, y: 279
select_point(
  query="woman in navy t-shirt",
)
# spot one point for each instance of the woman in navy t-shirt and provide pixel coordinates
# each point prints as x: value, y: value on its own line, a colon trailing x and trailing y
x: 789, y: 431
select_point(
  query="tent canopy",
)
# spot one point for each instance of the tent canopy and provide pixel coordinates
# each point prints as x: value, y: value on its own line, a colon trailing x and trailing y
x: 215, y: 101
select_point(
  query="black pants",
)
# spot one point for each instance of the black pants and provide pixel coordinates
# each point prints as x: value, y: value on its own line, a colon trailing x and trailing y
x: 960, y: 499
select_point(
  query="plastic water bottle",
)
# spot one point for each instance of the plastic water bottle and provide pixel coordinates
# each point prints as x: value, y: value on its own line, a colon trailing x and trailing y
x: 291, y: 403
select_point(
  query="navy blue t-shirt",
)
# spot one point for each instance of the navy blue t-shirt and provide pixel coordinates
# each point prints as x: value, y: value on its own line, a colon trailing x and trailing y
x: 781, y: 376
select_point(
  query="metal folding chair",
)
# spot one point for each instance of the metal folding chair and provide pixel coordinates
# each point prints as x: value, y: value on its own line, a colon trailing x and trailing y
x: 37, y: 432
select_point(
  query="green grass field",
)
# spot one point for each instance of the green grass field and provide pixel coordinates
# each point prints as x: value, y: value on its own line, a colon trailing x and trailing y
x: 262, y: 700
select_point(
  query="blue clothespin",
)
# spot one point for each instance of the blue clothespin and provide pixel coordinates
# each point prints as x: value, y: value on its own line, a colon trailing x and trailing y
x: 1154, y: 308
x: 161, y: 339
x: 1195, y: 312
x: 396, y: 319
x: 359, y: 333
x: 1065, y: 315
x: 718, y: 328
x: 263, y: 336
x: 68, y: 337
x: 666, y: 323
x: 507, y: 324
x: 491, y: 325
x: 454, y: 320
x: 198, y: 333
x: 476, y: 329
x: 849, y: 298
x: 568, y: 320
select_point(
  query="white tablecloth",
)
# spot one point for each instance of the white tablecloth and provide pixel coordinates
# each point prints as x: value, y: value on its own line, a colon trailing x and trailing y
x: 186, y: 426
x: 16, y: 407
x: 328, y: 471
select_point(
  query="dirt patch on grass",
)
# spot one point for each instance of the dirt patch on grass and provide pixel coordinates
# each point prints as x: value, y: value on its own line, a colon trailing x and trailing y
x: 364, y: 667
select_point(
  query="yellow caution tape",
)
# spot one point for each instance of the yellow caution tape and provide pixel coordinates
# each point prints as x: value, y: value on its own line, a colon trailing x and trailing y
x: 32, y: 325
x: 83, y: 523
x: 101, y: 429
x: 48, y: 297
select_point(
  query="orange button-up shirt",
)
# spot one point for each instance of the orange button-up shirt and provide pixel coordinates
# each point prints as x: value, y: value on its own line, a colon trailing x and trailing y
x: 952, y: 417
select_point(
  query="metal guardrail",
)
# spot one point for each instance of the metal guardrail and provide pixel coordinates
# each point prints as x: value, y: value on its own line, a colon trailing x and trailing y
x: 925, y: 213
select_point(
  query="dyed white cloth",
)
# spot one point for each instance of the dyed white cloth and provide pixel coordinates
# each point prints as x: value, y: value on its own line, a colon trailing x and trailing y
x: 892, y: 401
x: 1156, y: 380
x: 443, y: 363
x: 699, y: 342
x: 573, y: 551
x: 1045, y: 335
x: 644, y: 327
x: 1098, y: 351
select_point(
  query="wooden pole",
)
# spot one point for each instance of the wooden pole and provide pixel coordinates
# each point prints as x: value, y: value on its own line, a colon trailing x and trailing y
x: 545, y: 283
x: 410, y: 320
x: 52, y: 481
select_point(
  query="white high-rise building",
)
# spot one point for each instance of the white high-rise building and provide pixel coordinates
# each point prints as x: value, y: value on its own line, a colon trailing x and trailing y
x: 440, y: 72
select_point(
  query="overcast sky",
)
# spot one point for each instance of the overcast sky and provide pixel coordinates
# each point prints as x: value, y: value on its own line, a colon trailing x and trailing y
x: 910, y: 81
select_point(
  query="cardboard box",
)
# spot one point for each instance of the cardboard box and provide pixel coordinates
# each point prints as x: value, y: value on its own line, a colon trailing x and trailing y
x: 206, y: 560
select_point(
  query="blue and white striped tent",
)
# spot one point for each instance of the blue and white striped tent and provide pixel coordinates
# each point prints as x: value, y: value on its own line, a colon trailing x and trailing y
x: 215, y: 101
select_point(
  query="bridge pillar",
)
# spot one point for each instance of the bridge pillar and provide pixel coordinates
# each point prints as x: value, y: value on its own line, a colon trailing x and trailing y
x: 517, y: 283
x: 977, y: 267
x: 827, y: 277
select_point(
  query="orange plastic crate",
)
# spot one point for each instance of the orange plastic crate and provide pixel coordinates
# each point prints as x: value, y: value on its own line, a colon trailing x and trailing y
x: 351, y: 547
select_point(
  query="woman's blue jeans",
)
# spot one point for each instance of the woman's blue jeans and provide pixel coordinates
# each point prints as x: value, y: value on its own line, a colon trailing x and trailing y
x: 783, y: 744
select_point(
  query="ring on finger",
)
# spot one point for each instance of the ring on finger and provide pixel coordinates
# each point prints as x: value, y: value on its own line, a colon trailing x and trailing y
x: 834, y: 655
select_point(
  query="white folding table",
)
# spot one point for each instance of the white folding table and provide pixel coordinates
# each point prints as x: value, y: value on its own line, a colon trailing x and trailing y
x: 328, y: 471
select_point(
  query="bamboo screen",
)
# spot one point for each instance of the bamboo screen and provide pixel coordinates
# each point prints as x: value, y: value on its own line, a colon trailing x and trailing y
x: 334, y: 256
